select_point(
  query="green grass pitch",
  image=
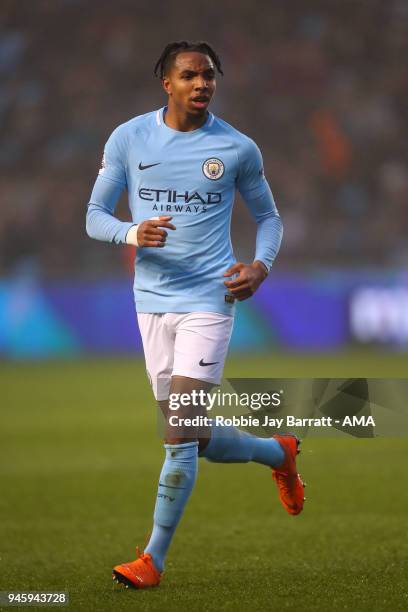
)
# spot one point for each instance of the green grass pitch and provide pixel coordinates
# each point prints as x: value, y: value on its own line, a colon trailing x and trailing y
x: 79, y: 469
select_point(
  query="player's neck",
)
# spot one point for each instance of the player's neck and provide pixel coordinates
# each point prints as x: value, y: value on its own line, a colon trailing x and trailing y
x: 182, y: 121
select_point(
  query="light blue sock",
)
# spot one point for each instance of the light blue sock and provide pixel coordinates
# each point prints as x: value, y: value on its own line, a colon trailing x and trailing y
x: 231, y: 445
x: 176, y: 482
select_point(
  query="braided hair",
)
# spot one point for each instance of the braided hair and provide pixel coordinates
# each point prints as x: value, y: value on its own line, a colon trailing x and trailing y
x: 171, y: 51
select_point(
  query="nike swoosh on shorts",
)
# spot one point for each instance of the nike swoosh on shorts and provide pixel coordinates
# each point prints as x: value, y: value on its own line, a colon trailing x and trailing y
x: 202, y: 363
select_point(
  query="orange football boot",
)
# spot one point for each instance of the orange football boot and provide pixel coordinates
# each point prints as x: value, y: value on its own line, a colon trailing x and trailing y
x: 138, y: 574
x: 290, y: 485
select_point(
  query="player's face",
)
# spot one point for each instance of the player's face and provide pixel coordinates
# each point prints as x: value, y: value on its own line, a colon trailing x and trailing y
x: 190, y: 82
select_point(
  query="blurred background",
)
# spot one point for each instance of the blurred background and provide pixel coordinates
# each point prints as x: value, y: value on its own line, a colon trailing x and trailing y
x: 321, y: 87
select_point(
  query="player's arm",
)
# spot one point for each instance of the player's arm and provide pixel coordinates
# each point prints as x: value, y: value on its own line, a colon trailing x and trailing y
x: 258, y: 197
x: 101, y: 222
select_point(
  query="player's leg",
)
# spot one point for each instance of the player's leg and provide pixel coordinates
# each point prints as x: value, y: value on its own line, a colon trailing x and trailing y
x: 179, y: 470
x: 196, y: 339
x: 201, y: 338
x: 231, y: 445
x: 182, y: 385
x: 158, y: 344
x: 200, y: 350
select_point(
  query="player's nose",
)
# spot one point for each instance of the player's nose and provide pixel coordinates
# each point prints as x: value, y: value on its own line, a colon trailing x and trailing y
x: 201, y: 84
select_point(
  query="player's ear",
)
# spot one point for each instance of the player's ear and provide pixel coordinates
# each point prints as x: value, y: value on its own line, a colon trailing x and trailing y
x: 166, y: 85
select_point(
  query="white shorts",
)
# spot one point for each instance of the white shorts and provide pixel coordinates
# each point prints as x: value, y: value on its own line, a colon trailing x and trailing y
x: 193, y: 344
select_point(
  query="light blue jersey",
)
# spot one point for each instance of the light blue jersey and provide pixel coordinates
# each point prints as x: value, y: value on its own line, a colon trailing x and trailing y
x: 191, y: 176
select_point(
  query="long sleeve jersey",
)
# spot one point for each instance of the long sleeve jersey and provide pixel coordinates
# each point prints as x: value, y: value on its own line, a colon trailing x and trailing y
x: 192, y: 176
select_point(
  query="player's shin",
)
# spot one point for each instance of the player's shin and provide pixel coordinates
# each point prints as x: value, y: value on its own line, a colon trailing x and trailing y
x: 176, y: 482
x: 231, y: 445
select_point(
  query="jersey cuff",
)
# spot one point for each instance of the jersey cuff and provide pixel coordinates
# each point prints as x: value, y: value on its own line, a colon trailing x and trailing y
x: 131, y: 235
x: 263, y: 262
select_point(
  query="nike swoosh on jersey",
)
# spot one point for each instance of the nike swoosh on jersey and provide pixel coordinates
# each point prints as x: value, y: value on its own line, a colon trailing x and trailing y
x: 202, y: 363
x: 141, y: 167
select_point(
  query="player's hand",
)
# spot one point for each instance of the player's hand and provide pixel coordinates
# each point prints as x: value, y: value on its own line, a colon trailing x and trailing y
x: 150, y: 234
x: 250, y: 276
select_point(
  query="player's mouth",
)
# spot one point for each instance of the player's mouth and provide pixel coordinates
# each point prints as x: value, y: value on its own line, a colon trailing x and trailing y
x: 200, y: 101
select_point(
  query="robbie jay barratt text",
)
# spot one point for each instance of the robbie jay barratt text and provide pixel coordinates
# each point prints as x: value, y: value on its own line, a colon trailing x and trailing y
x: 267, y: 421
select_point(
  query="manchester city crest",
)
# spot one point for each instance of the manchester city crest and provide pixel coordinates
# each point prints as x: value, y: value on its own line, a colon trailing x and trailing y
x: 213, y: 168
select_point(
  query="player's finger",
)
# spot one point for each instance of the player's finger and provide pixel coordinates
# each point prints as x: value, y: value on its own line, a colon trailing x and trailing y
x: 153, y: 243
x: 162, y: 224
x: 237, y: 290
x: 237, y: 282
x: 154, y: 231
x: 233, y: 269
x: 153, y: 236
